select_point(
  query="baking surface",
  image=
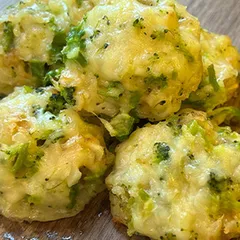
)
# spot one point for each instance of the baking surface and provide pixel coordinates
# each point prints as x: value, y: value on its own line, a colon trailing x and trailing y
x: 95, y: 223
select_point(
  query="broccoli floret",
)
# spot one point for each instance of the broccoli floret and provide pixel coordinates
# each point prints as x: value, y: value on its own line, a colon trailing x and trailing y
x: 218, y: 185
x: 76, y: 45
x: 120, y: 126
x: 59, y: 101
x: 24, y: 164
x: 51, y: 76
x: 123, y: 125
x: 114, y: 90
x: 67, y: 94
x: 161, y: 150
x: 160, y: 81
x: 56, y: 104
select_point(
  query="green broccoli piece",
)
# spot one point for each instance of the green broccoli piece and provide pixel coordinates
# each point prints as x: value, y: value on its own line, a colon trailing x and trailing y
x: 134, y: 99
x: 114, y: 90
x: 143, y: 195
x: 213, y: 78
x: 218, y: 185
x: 38, y: 69
x: 56, y: 104
x: 73, y: 193
x: 51, y: 76
x: 18, y: 157
x: 59, y: 101
x: 159, y: 81
x: 123, y: 125
x: 59, y: 41
x: 195, y: 128
x: 76, y: 45
x: 161, y: 150
x: 24, y: 164
x: 8, y: 36
x: 67, y: 94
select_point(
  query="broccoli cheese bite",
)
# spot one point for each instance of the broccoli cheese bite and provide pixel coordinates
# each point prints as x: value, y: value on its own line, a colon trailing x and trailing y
x: 51, y: 162
x: 229, y: 114
x: 32, y: 35
x: 221, y: 63
x: 178, y: 179
x: 138, y: 58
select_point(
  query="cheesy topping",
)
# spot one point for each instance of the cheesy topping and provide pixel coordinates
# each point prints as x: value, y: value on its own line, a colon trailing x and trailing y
x: 32, y: 35
x: 178, y: 179
x: 221, y: 63
x: 51, y: 162
x: 129, y: 57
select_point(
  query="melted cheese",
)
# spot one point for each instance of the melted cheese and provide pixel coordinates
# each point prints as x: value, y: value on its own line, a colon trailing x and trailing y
x: 34, y: 26
x: 217, y: 50
x: 64, y: 164
x: 153, y: 51
x: 192, y: 193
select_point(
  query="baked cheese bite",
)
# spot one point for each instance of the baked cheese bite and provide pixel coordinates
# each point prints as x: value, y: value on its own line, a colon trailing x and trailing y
x: 32, y: 35
x: 221, y: 64
x: 52, y: 163
x: 133, y: 59
x: 178, y: 179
